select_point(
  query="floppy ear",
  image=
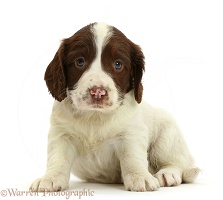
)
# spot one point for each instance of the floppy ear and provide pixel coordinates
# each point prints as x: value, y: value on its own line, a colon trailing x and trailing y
x: 137, y: 59
x: 55, y: 77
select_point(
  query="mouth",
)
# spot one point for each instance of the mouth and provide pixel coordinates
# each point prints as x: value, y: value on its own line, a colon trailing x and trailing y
x: 100, y: 103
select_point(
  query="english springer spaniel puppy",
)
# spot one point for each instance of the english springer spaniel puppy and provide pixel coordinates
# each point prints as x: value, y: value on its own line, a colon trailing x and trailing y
x: 101, y: 130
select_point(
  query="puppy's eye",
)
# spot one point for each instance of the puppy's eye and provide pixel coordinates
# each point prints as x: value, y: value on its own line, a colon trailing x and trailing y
x: 80, y: 62
x: 118, y: 65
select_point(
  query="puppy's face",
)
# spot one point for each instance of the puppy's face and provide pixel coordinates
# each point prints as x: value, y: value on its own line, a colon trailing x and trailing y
x: 95, y: 68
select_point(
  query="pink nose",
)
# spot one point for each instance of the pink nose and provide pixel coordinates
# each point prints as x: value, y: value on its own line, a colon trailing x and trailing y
x: 98, y: 92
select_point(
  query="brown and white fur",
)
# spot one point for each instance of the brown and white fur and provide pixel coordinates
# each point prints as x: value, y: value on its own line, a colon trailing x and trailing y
x: 101, y: 131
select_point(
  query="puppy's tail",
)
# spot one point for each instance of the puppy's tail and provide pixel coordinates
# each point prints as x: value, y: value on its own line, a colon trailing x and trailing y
x: 189, y: 175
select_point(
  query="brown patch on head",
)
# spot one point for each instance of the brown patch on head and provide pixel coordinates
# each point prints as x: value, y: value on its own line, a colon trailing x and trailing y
x: 124, y: 61
x: 72, y: 59
x: 121, y: 59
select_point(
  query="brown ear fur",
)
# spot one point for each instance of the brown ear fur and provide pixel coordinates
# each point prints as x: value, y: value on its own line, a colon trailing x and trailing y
x: 138, y: 63
x: 55, y: 77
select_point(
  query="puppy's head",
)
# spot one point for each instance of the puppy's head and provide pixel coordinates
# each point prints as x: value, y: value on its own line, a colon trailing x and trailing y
x: 95, y: 68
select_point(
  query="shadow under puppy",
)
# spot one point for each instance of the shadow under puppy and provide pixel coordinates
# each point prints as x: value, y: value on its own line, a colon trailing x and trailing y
x: 101, y: 130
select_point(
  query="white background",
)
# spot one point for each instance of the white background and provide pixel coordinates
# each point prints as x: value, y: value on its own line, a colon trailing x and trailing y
x: 183, y: 45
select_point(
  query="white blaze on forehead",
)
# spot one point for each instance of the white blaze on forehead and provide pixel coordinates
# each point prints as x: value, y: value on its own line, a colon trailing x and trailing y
x: 102, y: 33
x: 95, y: 76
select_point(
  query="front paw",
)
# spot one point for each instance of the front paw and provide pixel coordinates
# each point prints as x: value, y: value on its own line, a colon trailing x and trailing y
x: 141, y: 183
x: 50, y: 183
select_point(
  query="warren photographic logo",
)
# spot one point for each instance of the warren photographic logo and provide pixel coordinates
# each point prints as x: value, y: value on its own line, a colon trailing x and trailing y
x: 14, y: 192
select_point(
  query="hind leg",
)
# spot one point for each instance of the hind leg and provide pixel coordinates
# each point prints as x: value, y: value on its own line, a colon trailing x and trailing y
x: 168, y: 153
x: 169, y: 176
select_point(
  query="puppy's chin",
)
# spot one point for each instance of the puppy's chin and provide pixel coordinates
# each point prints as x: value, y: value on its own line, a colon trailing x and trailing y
x: 82, y: 107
